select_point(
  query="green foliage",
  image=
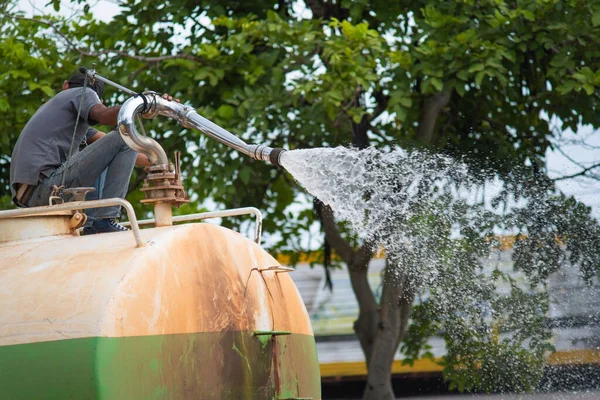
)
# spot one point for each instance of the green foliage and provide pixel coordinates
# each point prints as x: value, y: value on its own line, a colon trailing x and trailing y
x: 367, y: 73
x: 556, y: 232
x: 29, y: 75
x: 494, y: 325
x: 272, y: 78
x: 505, y: 346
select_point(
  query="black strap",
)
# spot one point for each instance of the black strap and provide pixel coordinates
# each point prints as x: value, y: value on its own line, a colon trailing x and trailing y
x: 66, y: 171
x: 146, y: 105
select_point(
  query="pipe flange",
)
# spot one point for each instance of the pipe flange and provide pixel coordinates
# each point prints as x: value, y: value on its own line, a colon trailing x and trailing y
x: 275, y: 155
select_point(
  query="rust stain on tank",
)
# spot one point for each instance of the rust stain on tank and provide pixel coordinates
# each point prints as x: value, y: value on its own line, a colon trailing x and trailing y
x: 174, y: 319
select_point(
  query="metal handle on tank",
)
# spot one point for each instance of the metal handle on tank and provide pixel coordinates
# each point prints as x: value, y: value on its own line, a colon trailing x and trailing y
x: 216, y: 214
x: 79, y: 205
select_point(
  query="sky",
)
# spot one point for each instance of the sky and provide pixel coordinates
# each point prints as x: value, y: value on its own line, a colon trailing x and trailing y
x: 102, y: 9
x: 582, y: 147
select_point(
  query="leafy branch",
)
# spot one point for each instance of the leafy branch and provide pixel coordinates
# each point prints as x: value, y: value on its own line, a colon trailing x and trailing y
x: 583, y: 172
x: 149, y: 60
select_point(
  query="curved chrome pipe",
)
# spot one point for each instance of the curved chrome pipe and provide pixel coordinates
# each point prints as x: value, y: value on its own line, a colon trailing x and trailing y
x: 142, y: 144
x: 189, y: 118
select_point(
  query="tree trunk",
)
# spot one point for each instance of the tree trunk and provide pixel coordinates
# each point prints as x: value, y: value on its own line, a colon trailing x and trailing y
x: 392, y: 321
x: 379, y: 328
x: 365, y: 325
x: 358, y: 267
x: 429, y: 114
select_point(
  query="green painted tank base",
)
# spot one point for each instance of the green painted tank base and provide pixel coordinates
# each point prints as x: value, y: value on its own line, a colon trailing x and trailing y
x: 216, y: 365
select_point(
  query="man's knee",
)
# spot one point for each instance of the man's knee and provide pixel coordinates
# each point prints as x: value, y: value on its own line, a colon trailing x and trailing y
x: 116, y: 137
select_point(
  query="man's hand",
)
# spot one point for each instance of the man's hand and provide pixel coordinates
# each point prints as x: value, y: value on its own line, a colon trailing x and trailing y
x: 151, y: 111
x: 167, y: 96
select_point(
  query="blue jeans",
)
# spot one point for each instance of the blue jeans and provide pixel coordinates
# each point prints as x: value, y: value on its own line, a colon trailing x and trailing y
x: 96, y: 195
x: 108, y: 156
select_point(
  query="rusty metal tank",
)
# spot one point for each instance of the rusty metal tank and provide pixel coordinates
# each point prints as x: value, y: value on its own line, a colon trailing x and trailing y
x: 190, y: 311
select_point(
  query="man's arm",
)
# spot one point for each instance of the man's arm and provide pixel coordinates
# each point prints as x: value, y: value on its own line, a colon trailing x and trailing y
x: 141, y: 160
x: 104, y: 115
x: 109, y: 115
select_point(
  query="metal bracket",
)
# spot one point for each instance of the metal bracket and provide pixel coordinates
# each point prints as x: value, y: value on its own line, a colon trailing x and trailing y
x: 271, y: 333
x: 277, y: 269
x: 56, y: 195
x: 78, y: 193
x: 78, y: 220
x: 294, y: 398
x: 80, y: 205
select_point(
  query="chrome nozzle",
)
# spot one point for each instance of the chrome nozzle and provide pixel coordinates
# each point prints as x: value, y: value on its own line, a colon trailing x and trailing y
x: 266, y: 153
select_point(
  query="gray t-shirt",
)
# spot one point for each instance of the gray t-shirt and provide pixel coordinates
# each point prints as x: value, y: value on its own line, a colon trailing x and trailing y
x: 44, y: 143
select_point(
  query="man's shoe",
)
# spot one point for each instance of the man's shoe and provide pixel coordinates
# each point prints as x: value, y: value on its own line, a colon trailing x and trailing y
x: 104, y: 225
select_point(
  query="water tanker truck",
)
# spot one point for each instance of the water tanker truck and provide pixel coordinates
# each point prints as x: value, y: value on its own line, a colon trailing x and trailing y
x: 175, y: 311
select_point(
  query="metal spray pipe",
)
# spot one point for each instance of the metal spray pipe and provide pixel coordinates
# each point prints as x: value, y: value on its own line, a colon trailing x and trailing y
x: 151, y: 105
x: 189, y: 118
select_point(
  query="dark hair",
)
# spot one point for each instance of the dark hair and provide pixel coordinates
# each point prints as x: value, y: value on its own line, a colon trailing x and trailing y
x: 78, y: 79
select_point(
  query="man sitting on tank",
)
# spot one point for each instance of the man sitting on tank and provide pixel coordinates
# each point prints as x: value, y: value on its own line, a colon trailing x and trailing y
x: 47, y: 152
